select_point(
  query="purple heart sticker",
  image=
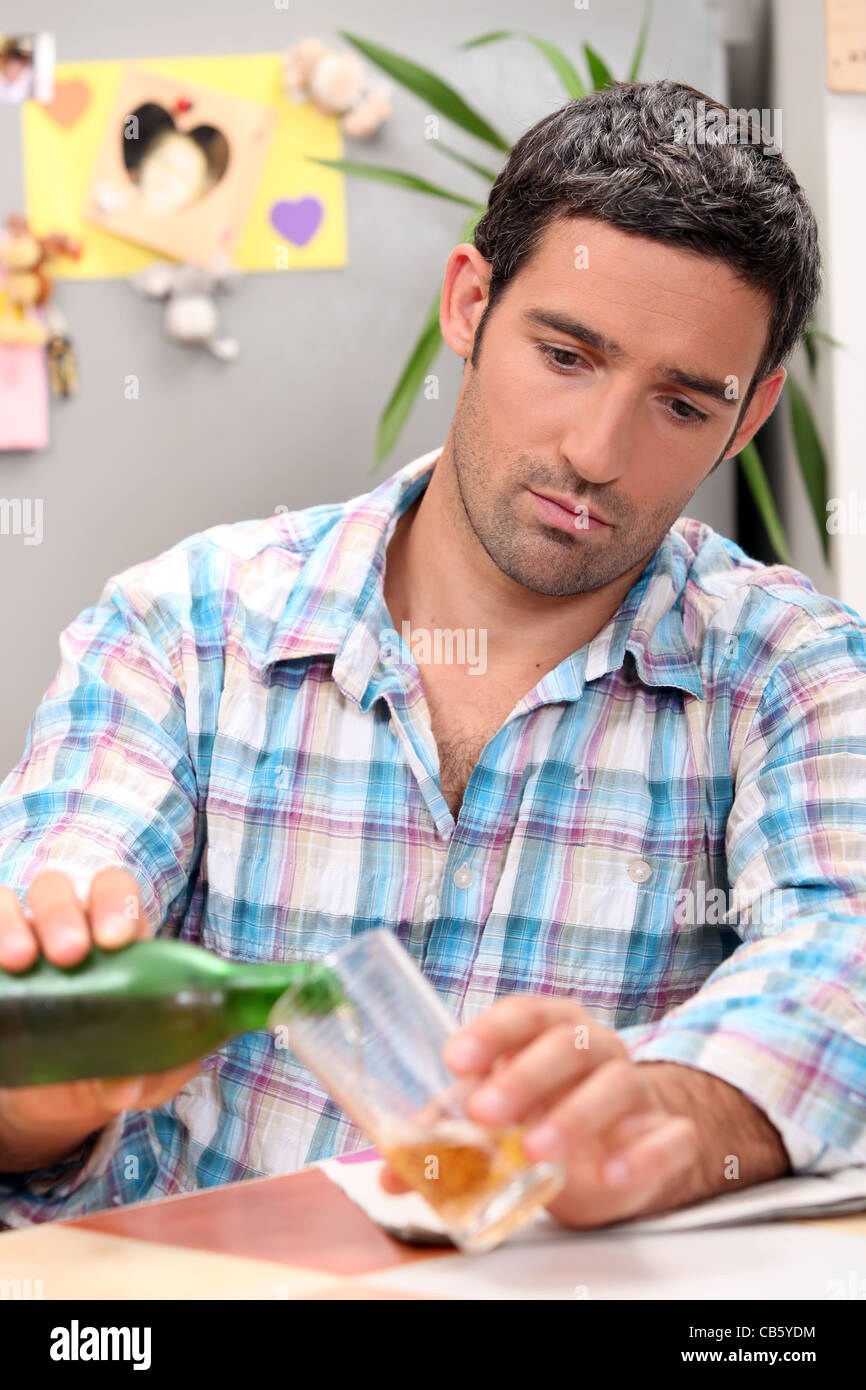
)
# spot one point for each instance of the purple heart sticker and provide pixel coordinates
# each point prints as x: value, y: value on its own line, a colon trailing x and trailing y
x: 297, y: 219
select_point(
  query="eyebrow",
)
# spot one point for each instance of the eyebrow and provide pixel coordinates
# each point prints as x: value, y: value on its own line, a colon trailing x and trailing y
x: 691, y: 381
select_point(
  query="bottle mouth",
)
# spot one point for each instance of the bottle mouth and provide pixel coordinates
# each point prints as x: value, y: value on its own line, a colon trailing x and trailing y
x: 316, y: 995
x: 322, y: 990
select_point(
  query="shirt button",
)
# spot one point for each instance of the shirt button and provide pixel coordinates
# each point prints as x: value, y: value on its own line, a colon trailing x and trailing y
x: 430, y: 905
x: 639, y: 870
x: 463, y: 877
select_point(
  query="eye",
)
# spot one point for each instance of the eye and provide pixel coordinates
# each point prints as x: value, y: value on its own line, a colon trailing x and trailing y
x: 693, y: 416
x: 552, y: 355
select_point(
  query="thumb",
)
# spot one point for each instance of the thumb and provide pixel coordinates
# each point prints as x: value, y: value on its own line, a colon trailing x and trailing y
x: 118, y: 1093
x: 392, y: 1182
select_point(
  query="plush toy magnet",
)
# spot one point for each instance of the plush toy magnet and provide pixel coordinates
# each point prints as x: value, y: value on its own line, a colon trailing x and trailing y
x: 24, y: 260
x: 191, y: 316
x: 28, y: 317
x: 336, y: 85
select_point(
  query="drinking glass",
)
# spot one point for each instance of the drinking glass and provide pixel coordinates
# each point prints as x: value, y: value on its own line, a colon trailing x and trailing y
x: 379, y: 1054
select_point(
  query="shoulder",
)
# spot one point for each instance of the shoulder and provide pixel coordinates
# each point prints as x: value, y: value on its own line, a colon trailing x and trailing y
x: 775, y: 608
x: 207, y: 576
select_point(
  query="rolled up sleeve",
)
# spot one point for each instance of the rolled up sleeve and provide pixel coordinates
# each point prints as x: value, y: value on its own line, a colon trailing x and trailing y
x: 783, y: 1019
x: 107, y: 778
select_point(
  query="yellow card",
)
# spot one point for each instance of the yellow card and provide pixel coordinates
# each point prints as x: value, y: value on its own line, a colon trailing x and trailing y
x: 296, y: 218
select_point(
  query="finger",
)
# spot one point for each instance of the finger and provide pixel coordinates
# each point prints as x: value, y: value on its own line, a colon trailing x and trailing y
x: 591, y: 1199
x: 160, y: 1086
x: 654, y: 1159
x: 19, y: 948
x: 118, y: 1093
x: 538, y: 1074
x: 507, y: 1025
x: 445, y: 1104
x: 114, y: 909
x: 611, y: 1093
x: 392, y: 1182
x: 58, y: 918
x: 93, y: 1101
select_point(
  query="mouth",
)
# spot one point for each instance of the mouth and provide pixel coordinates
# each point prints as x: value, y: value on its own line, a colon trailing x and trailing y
x: 568, y: 514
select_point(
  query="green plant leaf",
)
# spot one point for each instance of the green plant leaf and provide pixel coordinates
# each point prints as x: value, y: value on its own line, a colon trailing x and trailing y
x: 753, y: 469
x: 402, y: 398
x: 425, y: 84
x: 810, y: 337
x: 599, y: 72
x: 487, y: 174
x: 808, y: 341
x: 393, y: 176
x: 641, y: 43
x: 562, y: 66
x: 421, y: 357
x: 810, y: 456
x: 825, y: 337
x: 472, y: 222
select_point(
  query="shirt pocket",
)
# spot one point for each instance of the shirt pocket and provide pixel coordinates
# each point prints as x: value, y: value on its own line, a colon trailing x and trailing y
x: 595, y: 923
x: 624, y: 941
x: 609, y: 889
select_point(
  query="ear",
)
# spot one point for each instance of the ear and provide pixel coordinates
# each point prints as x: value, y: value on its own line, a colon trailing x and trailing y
x: 464, y: 297
x: 761, y: 407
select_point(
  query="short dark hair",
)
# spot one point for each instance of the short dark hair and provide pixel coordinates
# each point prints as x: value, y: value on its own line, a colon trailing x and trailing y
x: 619, y: 155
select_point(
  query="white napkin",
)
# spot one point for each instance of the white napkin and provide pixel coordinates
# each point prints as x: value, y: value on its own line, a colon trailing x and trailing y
x: 408, y: 1217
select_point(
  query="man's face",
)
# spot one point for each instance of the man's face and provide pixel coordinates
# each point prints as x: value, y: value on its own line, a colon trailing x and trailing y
x: 616, y: 419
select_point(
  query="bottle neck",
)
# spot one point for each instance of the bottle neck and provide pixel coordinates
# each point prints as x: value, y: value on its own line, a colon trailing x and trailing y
x: 310, y: 987
x: 252, y: 990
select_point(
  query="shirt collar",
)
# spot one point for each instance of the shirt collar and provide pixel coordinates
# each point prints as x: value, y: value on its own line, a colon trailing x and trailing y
x: 649, y: 624
x: 336, y: 604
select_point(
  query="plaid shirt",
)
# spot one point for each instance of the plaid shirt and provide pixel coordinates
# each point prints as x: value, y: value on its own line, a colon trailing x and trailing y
x: 670, y: 827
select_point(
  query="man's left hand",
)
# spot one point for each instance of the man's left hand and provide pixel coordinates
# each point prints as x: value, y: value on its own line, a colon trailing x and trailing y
x: 626, y: 1130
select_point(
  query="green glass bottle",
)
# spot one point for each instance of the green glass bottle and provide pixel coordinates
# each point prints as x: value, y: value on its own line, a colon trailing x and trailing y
x: 144, y: 1008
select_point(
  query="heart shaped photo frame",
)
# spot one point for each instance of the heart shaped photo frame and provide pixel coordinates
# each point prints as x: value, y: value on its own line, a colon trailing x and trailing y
x: 179, y: 166
x: 171, y: 168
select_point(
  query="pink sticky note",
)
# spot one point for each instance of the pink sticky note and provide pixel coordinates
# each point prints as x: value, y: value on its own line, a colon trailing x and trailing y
x: 23, y: 396
x: 360, y: 1156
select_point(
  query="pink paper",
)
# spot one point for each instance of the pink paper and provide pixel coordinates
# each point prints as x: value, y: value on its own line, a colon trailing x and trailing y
x: 360, y: 1156
x: 23, y: 396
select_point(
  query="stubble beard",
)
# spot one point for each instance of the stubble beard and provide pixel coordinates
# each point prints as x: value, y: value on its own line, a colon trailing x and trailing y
x: 541, y: 557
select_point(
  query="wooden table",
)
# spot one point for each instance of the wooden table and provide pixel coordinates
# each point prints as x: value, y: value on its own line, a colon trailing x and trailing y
x: 289, y: 1237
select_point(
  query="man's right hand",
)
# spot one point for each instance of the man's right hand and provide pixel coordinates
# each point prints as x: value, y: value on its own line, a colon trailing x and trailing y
x: 39, y: 1125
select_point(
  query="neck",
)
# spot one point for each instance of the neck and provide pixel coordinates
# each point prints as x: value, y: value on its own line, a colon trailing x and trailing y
x: 438, y: 575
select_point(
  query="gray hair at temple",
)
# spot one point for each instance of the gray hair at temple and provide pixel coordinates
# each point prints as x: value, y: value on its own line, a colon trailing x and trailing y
x: 619, y: 155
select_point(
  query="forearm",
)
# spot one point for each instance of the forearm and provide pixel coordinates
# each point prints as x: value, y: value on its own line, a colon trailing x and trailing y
x: 738, y: 1145
x: 28, y: 1144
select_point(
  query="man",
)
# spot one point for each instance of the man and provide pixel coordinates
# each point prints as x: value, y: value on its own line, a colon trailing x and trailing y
x: 262, y: 740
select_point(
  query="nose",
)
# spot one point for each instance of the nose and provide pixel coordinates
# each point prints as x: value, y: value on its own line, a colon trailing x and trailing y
x: 599, y: 440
